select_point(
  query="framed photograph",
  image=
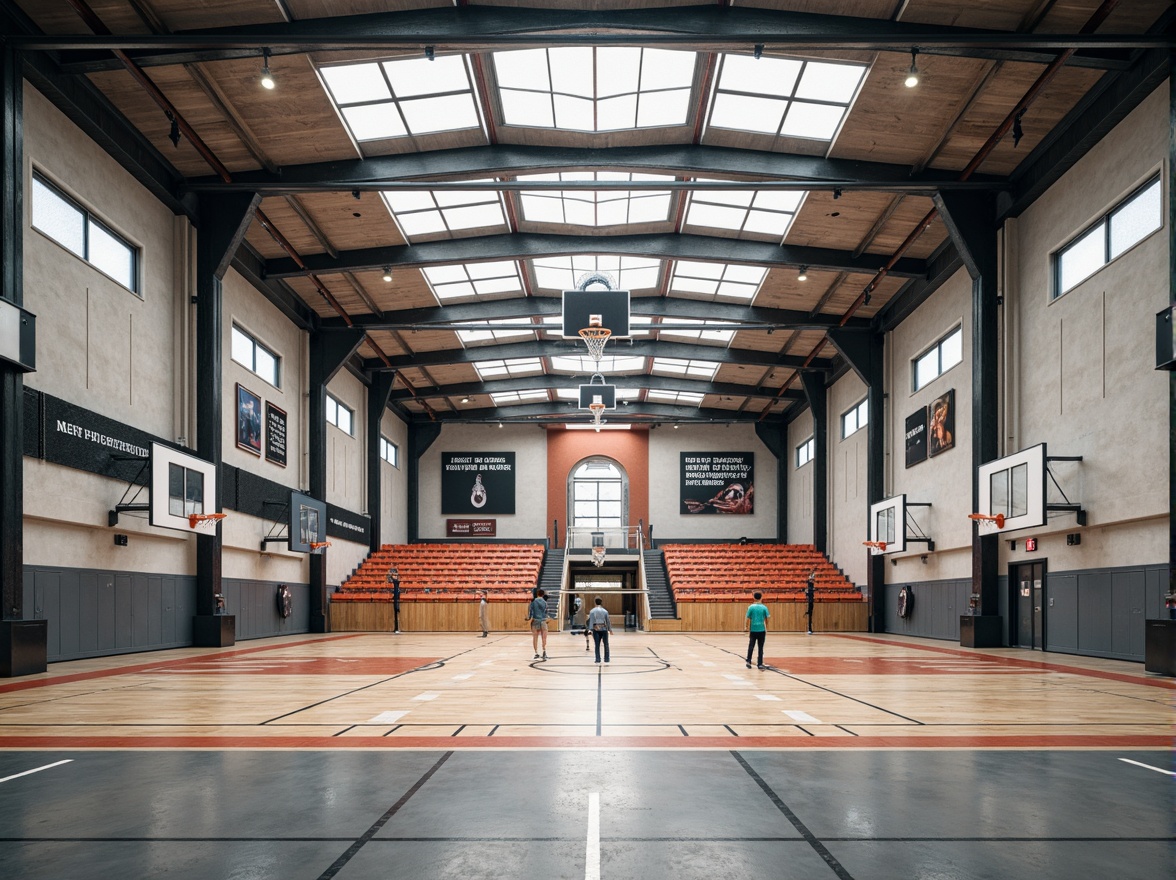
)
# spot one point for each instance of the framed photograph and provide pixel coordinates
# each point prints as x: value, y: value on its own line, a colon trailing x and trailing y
x: 941, y: 424
x: 248, y: 420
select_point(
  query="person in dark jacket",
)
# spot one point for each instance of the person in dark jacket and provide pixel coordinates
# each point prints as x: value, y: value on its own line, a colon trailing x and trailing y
x: 810, y: 595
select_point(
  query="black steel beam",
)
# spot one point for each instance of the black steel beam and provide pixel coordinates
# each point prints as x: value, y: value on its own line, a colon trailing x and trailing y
x: 560, y: 412
x: 528, y: 383
x: 556, y: 348
x: 507, y: 160
x: 519, y: 246
x: 480, y: 28
x: 444, y: 317
x: 818, y: 397
x: 377, y: 403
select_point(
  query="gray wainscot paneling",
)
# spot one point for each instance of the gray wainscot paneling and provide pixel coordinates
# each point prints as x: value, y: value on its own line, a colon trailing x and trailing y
x: 93, y: 613
x: 936, y: 612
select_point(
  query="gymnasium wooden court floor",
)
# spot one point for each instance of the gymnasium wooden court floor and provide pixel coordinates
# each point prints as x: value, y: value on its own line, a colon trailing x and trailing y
x: 448, y: 755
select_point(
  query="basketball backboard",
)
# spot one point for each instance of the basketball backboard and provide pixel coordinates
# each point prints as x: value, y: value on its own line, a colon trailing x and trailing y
x: 606, y: 393
x: 308, y: 522
x: 888, y: 523
x: 580, y: 305
x: 181, y: 485
x: 1014, y: 486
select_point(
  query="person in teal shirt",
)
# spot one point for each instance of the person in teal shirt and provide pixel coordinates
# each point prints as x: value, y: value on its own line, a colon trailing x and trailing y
x: 757, y: 626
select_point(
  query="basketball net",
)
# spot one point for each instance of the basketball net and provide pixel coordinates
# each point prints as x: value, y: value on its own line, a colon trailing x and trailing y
x: 876, y: 547
x: 986, y: 523
x: 204, y: 522
x: 597, y: 407
x: 319, y: 547
x: 598, y: 553
x: 595, y: 336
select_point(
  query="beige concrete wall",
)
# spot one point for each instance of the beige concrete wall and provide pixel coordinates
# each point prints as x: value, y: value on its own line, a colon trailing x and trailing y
x: 800, y: 483
x: 346, y: 463
x: 1081, y: 367
x: 529, y: 443
x: 848, y: 504
x: 943, y: 480
x: 394, y: 484
x: 665, y: 463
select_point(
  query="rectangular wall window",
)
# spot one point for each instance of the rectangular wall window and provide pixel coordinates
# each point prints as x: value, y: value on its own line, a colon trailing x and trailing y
x: 805, y: 452
x: 941, y: 357
x: 855, y: 418
x: 78, y: 231
x: 1113, y: 234
x: 339, y: 415
x: 255, y: 357
x: 390, y: 452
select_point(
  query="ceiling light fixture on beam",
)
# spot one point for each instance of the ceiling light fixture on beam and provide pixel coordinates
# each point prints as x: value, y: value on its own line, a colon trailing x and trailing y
x: 802, y: 275
x: 388, y: 273
x: 912, y: 78
x: 267, y: 78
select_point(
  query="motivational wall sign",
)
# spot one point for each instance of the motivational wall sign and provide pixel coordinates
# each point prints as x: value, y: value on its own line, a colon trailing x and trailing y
x: 475, y: 483
x: 717, y: 482
x: 275, y: 434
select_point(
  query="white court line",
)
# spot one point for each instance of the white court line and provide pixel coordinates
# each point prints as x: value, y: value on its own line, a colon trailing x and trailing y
x: 801, y: 716
x: 706, y: 662
x: 463, y: 676
x: 1124, y: 760
x: 37, y: 769
x: 592, y: 849
x: 426, y: 697
x: 387, y: 718
x: 730, y: 676
x: 767, y: 697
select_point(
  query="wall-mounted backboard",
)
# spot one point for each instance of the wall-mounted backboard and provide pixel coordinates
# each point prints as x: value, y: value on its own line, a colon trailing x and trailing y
x: 181, y: 485
x: 888, y: 523
x: 1014, y: 486
x: 580, y: 305
x: 606, y: 393
x: 308, y: 522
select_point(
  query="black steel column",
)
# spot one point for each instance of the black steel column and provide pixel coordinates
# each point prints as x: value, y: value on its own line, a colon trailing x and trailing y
x: 223, y: 221
x: 1171, y: 299
x: 329, y: 350
x: 970, y: 218
x: 420, y: 438
x: 775, y: 437
x: 818, y: 400
x: 377, y: 404
x: 23, y: 643
x: 863, y: 352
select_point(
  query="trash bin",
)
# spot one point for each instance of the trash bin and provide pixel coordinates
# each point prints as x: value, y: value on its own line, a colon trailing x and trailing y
x: 631, y: 621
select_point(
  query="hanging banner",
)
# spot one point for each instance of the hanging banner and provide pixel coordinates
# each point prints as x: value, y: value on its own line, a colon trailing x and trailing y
x: 477, y: 482
x: 916, y: 437
x: 717, y: 482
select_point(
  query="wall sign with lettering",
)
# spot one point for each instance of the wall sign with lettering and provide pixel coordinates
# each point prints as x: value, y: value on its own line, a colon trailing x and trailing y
x: 275, y: 434
x: 477, y: 482
x: 718, y: 482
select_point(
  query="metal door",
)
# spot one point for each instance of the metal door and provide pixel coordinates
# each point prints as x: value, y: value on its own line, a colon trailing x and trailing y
x: 1027, y: 604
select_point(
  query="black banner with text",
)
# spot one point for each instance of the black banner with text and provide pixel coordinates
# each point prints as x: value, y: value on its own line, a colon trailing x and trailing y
x: 718, y: 482
x: 477, y: 482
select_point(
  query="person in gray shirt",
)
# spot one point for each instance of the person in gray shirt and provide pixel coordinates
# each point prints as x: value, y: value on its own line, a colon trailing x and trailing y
x: 537, y: 614
x: 600, y: 626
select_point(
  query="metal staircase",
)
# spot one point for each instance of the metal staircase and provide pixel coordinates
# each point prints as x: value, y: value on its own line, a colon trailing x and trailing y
x: 661, y: 600
x: 551, y: 580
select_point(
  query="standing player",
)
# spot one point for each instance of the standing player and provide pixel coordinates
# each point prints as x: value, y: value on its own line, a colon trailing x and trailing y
x: 537, y: 614
x: 394, y: 580
x: 757, y: 627
x: 810, y: 595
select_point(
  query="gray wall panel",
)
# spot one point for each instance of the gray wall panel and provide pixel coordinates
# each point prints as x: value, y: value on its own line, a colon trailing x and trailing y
x: 168, y: 623
x: 106, y: 613
x: 140, y: 610
x: 46, y: 605
x: 124, y: 621
x: 1094, y: 613
x: 69, y: 614
x: 1061, y: 633
x: 936, y: 613
x: 88, y: 613
x: 255, y: 604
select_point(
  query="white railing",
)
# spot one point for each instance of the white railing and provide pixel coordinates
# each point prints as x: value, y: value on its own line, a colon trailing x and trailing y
x: 622, y: 539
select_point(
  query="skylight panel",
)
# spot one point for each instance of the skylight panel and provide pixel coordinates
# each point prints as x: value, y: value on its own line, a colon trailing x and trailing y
x: 506, y: 397
x: 562, y: 273
x: 784, y: 96
x: 687, y: 397
x: 511, y: 367
x: 574, y: 393
x: 678, y: 367
x: 412, y: 96
x: 491, y: 334
x: 766, y: 212
x: 588, y: 208
x: 594, y: 89
x: 584, y: 365
x: 712, y: 335
x: 717, y: 280
x: 451, y: 283
x: 425, y: 213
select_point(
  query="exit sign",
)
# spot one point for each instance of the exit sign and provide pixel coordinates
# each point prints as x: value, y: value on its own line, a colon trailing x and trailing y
x: 1030, y: 545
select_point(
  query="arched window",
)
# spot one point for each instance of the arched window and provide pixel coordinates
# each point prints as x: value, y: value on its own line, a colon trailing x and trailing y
x: 598, y: 495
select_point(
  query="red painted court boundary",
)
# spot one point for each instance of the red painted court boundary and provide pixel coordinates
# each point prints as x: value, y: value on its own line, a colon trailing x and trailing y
x: 446, y: 743
x: 1041, y: 665
x: 47, y: 679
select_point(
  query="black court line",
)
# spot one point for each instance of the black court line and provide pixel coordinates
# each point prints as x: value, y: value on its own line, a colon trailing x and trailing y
x: 344, y: 730
x: 459, y: 730
x: 820, y: 848
x: 683, y: 729
x: 604, y: 838
x: 845, y: 729
x: 729, y: 730
x: 340, y: 862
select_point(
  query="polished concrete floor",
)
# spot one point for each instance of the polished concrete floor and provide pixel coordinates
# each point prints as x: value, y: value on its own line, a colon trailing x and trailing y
x: 450, y: 756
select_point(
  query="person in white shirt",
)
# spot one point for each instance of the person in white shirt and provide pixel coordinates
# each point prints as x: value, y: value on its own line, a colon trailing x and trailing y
x: 600, y: 626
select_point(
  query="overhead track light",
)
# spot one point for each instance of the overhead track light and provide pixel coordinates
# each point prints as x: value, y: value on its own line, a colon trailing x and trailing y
x: 802, y: 275
x: 267, y: 78
x: 912, y: 78
x: 430, y: 53
x: 387, y: 273
x: 759, y: 50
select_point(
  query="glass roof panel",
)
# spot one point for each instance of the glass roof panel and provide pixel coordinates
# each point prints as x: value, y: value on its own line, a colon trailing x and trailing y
x: 778, y: 199
x: 663, y: 108
x: 420, y: 223
x: 688, y: 397
x: 446, y: 210
x: 587, y: 208
x: 747, y: 113
x: 527, y: 109
x: 509, y: 367
x: 573, y: 113
x: 749, y: 274
x: 432, y: 95
x: 614, y: 114
x: 714, y: 215
x: 699, y: 270
x: 573, y: 75
x: 817, y: 121
x: 493, y: 269
x: 732, y: 290
x: 666, y: 69
x: 731, y: 281
x: 617, y: 70
x: 459, y: 290
x: 501, y: 397
x: 497, y: 285
x: 768, y: 223
x: 400, y: 201
x: 450, y: 282
x: 694, y: 285
x: 759, y: 76
x: 356, y: 83
x: 582, y: 364
x: 473, y: 216
x: 522, y: 69
x: 678, y: 367
x: 830, y: 82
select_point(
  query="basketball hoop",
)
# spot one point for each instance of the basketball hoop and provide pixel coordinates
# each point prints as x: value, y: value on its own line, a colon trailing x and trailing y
x: 988, y: 523
x: 597, y: 407
x: 318, y: 547
x: 204, y: 522
x: 876, y: 547
x: 595, y: 336
x: 598, y: 554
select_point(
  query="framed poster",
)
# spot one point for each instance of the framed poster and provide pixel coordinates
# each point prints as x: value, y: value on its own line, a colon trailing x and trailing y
x: 916, y: 437
x: 942, y: 427
x: 717, y: 482
x: 477, y: 483
x: 248, y: 420
x: 275, y: 434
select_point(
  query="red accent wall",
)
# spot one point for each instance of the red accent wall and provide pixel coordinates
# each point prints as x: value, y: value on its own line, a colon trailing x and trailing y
x: 566, y: 449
